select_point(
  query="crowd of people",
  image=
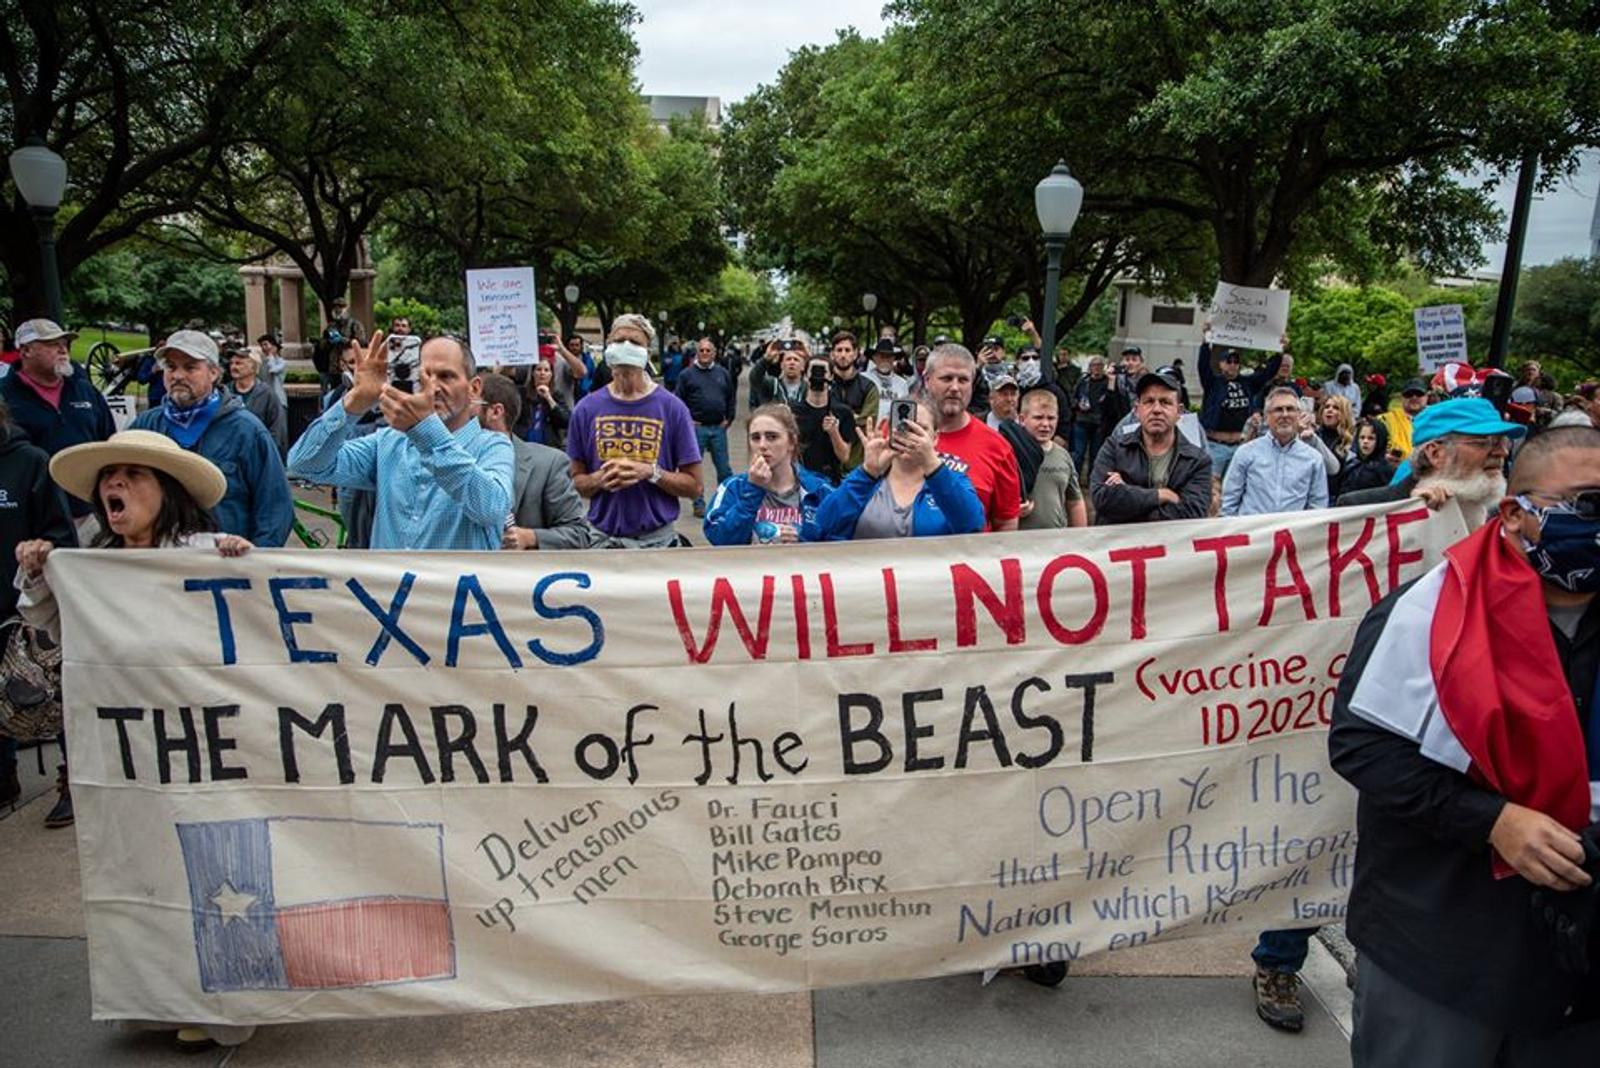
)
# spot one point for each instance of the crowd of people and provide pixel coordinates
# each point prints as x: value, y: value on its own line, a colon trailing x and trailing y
x: 852, y: 441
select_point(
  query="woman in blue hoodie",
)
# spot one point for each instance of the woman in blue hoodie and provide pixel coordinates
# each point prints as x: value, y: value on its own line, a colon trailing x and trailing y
x: 777, y: 501
x: 901, y: 490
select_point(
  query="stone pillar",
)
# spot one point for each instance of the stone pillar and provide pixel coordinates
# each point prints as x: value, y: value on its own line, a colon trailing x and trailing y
x: 291, y: 312
x: 255, y: 302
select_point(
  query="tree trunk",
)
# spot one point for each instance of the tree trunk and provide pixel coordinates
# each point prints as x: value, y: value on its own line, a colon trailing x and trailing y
x: 27, y: 297
x: 977, y: 315
x: 921, y: 312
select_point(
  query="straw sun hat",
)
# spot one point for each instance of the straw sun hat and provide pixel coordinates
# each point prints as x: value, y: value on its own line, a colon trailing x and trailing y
x: 77, y: 470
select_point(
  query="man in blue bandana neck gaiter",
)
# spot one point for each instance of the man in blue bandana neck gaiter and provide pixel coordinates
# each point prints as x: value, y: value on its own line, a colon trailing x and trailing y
x: 199, y: 416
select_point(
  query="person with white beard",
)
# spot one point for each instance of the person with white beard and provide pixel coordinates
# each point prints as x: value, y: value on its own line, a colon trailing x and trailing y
x: 1459, y: 451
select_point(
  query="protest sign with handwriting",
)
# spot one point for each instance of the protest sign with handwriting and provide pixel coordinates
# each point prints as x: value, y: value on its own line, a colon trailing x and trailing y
x: 503, y: 316
x: 1245, y: 317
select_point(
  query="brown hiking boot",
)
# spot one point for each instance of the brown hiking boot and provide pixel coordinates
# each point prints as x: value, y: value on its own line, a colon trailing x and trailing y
x: 1278, y: 1000
x: 61, y: 814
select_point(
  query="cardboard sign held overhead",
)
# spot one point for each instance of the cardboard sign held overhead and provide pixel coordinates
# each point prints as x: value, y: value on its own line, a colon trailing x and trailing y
x: 1244, y: 317
x: 1441, y: 336
x: 503, y: 316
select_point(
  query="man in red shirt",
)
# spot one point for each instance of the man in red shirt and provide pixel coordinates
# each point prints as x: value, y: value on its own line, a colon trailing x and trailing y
x: 966, y: 444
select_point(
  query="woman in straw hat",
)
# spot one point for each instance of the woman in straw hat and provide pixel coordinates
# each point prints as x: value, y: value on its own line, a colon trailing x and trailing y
x: 147, y: 493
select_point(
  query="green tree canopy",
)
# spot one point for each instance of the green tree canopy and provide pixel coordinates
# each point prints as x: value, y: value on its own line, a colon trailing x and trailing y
x: 1290, y: 129
x: 137, y: 98
x: 844, y: 175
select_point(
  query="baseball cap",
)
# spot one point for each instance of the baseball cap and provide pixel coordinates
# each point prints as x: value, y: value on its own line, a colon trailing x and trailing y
x: 1228, y: 355
x: 1132, y: 350
x: 1524, y: 395
x: 1461, y: 415
x: 1028, y: 351
x: 1161, y: 377
x: 1415, y: 385
x: 192, y: 343
x: 996, y: 340
x: 1001, y: 381
x: 42, y: 330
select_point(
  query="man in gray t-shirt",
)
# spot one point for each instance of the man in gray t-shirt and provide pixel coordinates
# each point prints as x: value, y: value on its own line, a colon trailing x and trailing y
x: 1057, y: 499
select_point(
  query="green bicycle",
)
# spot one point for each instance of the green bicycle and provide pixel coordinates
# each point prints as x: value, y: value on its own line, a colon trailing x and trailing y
x: 318, y: 539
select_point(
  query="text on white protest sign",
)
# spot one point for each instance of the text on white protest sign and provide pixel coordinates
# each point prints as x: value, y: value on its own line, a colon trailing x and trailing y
x: 1441, y: 336
x: 503, y: 316
x: 1247, y: 317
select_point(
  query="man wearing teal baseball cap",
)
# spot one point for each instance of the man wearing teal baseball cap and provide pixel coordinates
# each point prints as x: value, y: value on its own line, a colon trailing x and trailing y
x: 1459, y: 451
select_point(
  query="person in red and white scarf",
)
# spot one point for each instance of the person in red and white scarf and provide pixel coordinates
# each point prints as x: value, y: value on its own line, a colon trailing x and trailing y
x: 1468, y: 719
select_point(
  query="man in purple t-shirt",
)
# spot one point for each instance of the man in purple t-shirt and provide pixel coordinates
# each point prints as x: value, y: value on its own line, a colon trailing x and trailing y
x: 632, y: 445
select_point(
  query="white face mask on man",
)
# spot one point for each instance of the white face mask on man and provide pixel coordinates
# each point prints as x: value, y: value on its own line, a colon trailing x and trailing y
x: 627, y: 354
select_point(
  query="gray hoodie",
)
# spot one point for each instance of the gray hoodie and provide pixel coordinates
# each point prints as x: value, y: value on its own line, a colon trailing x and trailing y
x: 1351, y: 393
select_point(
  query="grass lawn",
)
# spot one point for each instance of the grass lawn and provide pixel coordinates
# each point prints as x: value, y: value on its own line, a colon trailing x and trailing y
x: 92, y: 336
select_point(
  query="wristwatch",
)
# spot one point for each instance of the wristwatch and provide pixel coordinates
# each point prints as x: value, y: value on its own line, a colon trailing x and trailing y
x: 655, y: 474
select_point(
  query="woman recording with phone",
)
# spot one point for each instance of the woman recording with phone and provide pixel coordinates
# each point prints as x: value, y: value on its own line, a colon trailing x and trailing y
x: 902, y: 489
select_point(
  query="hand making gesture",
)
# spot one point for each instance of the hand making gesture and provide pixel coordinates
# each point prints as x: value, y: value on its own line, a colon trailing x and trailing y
x: 372, y: 375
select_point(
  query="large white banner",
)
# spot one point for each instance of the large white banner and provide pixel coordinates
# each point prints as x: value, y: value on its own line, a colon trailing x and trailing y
x: 319, y: 784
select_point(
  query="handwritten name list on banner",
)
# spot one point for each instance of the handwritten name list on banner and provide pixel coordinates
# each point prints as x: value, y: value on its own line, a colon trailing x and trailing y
x: 1249, y: 318
x: 379, y: 783
x: 502, y: 316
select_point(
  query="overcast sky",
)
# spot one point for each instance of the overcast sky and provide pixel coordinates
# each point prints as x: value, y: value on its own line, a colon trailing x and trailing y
x: 713, y: 48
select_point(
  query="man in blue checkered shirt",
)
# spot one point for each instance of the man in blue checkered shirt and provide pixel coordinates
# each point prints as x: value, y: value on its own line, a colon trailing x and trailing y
x: 442, y: 480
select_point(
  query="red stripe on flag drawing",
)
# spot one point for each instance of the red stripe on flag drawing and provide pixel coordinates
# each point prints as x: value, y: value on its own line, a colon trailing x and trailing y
x: 366, y: 940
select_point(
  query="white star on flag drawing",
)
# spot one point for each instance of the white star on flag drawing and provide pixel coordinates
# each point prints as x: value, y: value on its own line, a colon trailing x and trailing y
x: 231, y: 903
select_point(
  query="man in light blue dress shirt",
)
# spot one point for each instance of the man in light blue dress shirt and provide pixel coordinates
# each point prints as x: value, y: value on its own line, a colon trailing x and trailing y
x: 442, y: 480
x: 1277, y: 472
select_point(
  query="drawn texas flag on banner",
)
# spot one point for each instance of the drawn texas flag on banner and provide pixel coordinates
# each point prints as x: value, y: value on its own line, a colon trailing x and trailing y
x: 291, y: 903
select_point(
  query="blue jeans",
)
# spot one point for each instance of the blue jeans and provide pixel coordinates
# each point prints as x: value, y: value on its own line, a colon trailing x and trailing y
x: 1221, y: 457
x: 1283, y: 951
x: 1082, y: 438
x: 714, y: 439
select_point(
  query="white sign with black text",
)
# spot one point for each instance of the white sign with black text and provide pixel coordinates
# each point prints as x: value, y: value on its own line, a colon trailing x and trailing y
x: 1246, y: 317
x: 1441, y: 336
x: 503, y: 316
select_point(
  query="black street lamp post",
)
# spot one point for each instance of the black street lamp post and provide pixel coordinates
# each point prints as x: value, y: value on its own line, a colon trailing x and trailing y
x: 41, y: 177
x: 1057, y: 199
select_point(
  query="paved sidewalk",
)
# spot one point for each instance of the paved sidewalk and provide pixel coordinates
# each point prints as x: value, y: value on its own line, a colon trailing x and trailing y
x: 1180, y: 1004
